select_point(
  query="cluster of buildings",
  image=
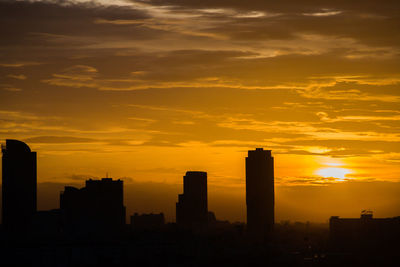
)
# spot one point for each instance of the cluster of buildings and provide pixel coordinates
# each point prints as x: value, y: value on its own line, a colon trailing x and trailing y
x: 98, y: 207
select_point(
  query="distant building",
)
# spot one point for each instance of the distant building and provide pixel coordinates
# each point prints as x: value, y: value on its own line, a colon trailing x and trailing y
x: 192, y: 207
x: 260, y: 197
x: 147, y: 221
x: 96, y: 207
x: 18, y: 185
x: 211, y: 218
x: 364, y: 232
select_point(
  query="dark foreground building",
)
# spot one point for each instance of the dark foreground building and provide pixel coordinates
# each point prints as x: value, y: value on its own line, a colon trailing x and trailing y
x: 19, y: 185
x: 98, y: 207
x: 149, y: 221
x: 364, y: 233
x: 260, y: 193
x: 192, y: 207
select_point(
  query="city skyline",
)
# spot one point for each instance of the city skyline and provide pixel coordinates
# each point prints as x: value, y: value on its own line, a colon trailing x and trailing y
x: 90, y: 226
x: 200, y: 133
x: 147, y: 90
x: 256, y: 170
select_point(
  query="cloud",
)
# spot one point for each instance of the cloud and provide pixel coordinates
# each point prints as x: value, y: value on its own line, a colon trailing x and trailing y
x: 323, y: 13
x: 75, y: 76
x: 324, y: 117
x: 176, y: 26
x: 80, y: 177
x: 10, y: 88
x: 311, y: 129
x: 289, y: 6
x: 59, y: 140
x: 17, y: 76
x: 19, y: 64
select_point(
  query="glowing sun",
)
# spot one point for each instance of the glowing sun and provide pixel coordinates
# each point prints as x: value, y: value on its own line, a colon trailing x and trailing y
x: 333, y: 172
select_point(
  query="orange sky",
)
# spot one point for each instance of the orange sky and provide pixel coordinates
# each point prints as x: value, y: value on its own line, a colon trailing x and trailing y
x: 146, y: 90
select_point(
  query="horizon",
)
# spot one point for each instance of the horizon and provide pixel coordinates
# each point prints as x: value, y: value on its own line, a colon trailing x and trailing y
x: 144, y: 91
x: 231, y: 206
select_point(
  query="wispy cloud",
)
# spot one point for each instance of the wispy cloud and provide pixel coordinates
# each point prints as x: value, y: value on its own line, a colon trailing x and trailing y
x: 19, y: 64
x: 324, y: 13
x: 17, y: 76
x: 9, y: 87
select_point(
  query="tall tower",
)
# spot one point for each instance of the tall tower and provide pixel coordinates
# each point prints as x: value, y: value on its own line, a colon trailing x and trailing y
x: 192, y: 207
x: 260, y: 196
x: 19, y: 185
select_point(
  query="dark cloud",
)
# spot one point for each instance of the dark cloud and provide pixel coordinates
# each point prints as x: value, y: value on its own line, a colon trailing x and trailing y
x: 293, y: 6
x: 48, y: 25
x: 368, y: 21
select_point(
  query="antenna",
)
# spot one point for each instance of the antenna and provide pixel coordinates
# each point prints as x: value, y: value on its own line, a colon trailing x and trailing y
x: 106, y: 174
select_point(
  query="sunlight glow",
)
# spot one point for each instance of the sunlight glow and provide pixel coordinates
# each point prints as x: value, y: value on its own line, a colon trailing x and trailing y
x: 334, y: 164
x: 339, y: 173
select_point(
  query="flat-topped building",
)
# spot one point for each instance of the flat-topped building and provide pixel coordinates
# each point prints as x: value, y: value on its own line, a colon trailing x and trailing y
x: 192, y: 206
x: 98, y: 206
x: 364, y: 232
x: 260, y: 196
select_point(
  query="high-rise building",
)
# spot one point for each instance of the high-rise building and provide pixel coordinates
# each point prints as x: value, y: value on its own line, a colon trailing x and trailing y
x: 19, y: 185
x: 97, y: 207
x: 192, y: 207
x: 260, y: 196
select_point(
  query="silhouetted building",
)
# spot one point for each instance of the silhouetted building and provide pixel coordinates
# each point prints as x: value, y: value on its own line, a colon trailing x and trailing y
x: 260, y: 192
x: 212, y: 219
x: 47, y: 223
x: 365, y: 232
x: 19, y: 185
x: 147, y: 221
x: 97, y: 207
x: 192, y: 207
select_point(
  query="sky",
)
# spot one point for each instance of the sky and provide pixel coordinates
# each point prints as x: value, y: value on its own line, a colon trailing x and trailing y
x: 145, y: 90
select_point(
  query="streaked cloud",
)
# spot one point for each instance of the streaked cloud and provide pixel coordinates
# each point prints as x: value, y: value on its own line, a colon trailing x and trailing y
x: 57, y: 140
x: 19, y: 64
x: 9, y: 87
x: 17, y: 76
x: 323, y: 13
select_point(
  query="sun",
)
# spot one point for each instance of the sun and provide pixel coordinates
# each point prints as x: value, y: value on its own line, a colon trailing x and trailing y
x: 336, y: 172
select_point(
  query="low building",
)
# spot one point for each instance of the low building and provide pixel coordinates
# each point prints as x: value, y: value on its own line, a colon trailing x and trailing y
x: 147, y: 221
x: 98, y: 207
x: 364, y: 232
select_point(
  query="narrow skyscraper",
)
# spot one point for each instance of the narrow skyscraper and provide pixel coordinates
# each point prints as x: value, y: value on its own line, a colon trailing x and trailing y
x: 192, y: 207
x: 260, y: 195
x: 19, y: 185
